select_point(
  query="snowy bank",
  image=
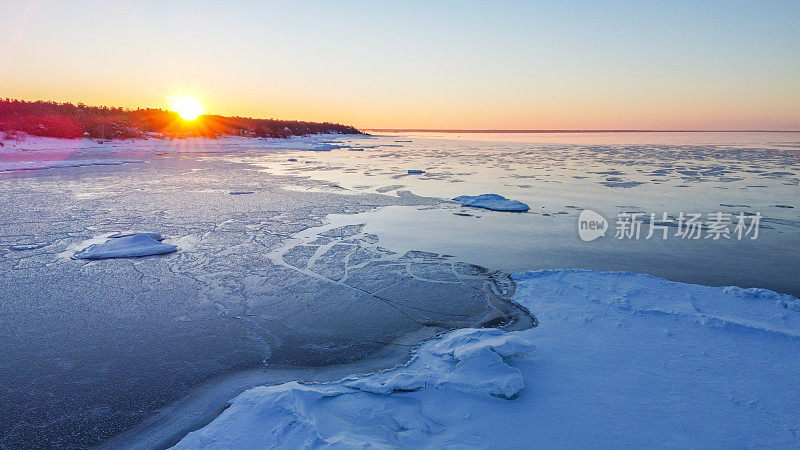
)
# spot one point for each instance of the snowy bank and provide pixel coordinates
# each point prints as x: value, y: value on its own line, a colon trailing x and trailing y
x: 492, y: 202
x: 618, y: 359
x: 36, y: 152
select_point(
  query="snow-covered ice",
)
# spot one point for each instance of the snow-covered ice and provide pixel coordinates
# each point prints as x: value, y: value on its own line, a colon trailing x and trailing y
x: 130, y: 245
x: 618, y: 359
x: 246, y: 292
x: 35, y: 152
x: 492, y: 202
x: 405, y: 406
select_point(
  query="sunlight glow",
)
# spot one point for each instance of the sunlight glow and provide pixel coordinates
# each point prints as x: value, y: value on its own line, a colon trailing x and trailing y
x: 188, y: 107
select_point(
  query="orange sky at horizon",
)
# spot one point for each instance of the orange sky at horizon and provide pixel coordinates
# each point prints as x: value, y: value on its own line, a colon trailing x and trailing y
x: 524, y: 66
x: 596, y: 113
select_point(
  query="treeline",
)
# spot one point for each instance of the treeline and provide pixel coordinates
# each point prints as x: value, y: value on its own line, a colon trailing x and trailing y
x: 65, y: 120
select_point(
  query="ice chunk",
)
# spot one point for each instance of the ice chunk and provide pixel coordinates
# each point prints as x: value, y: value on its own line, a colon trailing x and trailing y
x: 493, y: 202
x: 127, y: 246
x: 619, y: 183
x: 31, y: 246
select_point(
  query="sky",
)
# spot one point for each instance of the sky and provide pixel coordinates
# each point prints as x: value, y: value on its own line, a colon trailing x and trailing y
x: 419, y: 64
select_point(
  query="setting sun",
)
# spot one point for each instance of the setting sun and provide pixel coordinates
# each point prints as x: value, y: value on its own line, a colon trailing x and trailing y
x: 188, y: 107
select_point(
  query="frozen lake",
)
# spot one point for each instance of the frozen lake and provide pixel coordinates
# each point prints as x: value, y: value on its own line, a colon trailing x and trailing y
x: 559, y: 175
x: 294, y: 260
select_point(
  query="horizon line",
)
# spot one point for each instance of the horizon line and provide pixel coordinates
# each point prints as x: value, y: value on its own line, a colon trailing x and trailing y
x: 468, y: 130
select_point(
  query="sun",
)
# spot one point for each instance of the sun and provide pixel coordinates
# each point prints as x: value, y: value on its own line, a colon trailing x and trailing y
x: 188, y: 107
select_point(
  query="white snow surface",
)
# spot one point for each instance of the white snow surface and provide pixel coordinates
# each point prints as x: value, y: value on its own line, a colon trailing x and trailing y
x: 618, y: 359
x: 494, y: 202
x: 130, y: 245
x: 35, y: 152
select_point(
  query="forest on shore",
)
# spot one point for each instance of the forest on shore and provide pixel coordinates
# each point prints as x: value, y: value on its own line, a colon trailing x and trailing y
x: 67, y: 120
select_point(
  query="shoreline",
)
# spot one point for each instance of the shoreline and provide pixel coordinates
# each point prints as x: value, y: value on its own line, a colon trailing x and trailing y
x: 37, y: 152
x: 208, y: 401
x: 603, y: 335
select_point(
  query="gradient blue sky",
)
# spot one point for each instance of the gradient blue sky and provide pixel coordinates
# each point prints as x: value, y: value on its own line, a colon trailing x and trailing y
x: 664, y: 65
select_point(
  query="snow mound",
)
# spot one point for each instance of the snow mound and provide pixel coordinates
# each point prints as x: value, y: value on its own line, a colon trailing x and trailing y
x: 492, y: 202
x: 621, y: 359
x: 349, y: 413
x: 127, y: 246
x: 468, y: 360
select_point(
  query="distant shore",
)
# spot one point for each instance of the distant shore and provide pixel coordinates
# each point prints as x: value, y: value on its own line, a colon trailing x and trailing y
x: 67, y: 120
x: 435, y: 130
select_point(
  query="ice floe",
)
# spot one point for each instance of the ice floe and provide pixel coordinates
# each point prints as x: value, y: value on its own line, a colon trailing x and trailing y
x: 615, y: 182
x: 493, y: 202
x: 31, y: 246
x: 617, y: 359
x: 127, y: 246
